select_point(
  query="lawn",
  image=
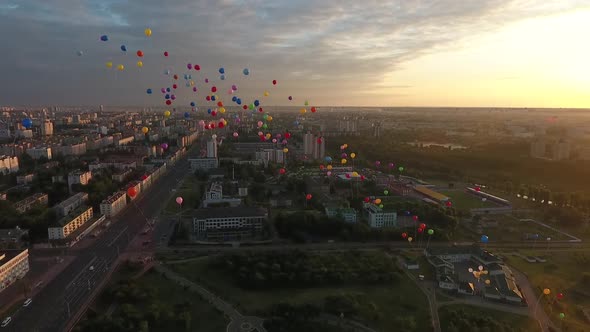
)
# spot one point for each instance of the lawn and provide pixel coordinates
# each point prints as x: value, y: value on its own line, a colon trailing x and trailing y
x: 503, y: 318
x: 562, y: 273
x: 382, y: 304
x: 512, y: 229
x: 190, y: 193
x: 465, y: 202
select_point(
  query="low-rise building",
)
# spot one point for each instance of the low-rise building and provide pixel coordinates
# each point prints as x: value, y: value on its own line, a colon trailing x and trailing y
x: 13, y: 266
x: 120, y: 176
x: 72, y: 203
x: 347, y: 214
x: 227, y: 224
x: 31, y: 201
x: 68, y: 224
x: 378, y: 217
x: 214, y: 196
x: 40, y: 152
x: 113, y: 204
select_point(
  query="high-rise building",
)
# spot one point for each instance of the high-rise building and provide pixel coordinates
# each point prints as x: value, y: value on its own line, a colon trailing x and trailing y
x: 47, y: 128
x: 376, y: 129
x: 314, y: 146
x: 538, y: 148
x: 212, y: 148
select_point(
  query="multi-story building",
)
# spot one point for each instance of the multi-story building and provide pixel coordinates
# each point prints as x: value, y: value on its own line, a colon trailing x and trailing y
x: 314, y: 146
x: 561, y: 150
x: 47, y: 128
x: 124, y: 141
x: 40, y: 152
x: 78, y: 177
x: 68, y: 224
x: 226, y: 224
x: 31, y: 201
x: 212, y: 148
x: 8, y: 164
x: 113, y: 204
x: 72, y: 150
x: 377, y: 129
x: 72, y: 203
x: 214, y: 196
x: 538, y: 148
x: 25, y: 179
x: 347, y: 214
x: 13, y: 266
x: 203, y: 163
x: 378, y: 218
x: 121, y: 175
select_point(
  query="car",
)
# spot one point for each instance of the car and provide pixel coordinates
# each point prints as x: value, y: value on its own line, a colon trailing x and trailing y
x: 6, y: 321
x: 91, y: 268
x: 27, y: 302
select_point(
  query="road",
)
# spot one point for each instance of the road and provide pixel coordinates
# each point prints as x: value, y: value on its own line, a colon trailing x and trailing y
x: 63, y: 296
x: 238, y: 322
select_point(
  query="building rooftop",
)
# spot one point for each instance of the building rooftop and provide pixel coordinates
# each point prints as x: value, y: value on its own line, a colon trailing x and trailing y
x: 6, y: 256
x: 113, y: 197
x: 72, y: 199
x: 431, y: 193
x: 232, y: 212
x: 65, y: 220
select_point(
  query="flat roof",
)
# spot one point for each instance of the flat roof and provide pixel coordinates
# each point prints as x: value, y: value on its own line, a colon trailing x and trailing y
x: 231, y: 212
x: 431, y: 193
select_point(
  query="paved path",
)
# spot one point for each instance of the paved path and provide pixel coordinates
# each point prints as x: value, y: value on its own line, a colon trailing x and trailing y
x: 238, y: 322
x: 337, y: 321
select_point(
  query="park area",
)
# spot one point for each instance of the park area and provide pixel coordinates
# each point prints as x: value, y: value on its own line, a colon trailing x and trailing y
x: 386, y: 304
x: 564, y: 273
x: 149, y: 302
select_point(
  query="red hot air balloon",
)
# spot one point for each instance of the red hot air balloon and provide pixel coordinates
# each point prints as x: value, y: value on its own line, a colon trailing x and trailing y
x: 367, y: 199
x: 166, y: 53
x: 404, y: 235
x: 449, y: 204
x: 282, y: 171
x: 131, y: 192
x: 308, y: 197
x: 415, y: 218
x: 287, y: 135
x: 140, y: 53
x: 420, y: 230
x: 422, y: 225
x: 274, y: 82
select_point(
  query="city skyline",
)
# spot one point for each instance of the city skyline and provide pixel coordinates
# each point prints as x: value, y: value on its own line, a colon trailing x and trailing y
x: 426, y: 53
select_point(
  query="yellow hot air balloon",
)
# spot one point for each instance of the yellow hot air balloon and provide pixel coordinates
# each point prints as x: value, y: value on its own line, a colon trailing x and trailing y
x: 329, y: 167
x: 120, y: 67
x: 546, y: 291
x: 343, y: 161
x: 109, y: 64
x: 353, y: 155
x: 224, y: 122
x: 139, y: 64
x: 166, y: 113
x: 410, y: 239
x: 269, y: 118
x: 268, y: 136
x: 192, y: 83
x: 145, y: 130
x: 148, y: 32
x: 355, y: 174
x: 222, y: 110
x: 266, y: 93
x: 303, y: 111
x: 285, y: 150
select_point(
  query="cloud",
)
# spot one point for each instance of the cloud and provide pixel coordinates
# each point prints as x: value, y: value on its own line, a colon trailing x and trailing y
x: 319, y: 50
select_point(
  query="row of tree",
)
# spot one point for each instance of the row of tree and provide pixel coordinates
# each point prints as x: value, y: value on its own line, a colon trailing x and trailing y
x: 301, y: 269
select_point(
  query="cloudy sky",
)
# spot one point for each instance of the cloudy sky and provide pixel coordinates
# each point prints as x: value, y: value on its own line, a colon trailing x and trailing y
x: 522, y: 53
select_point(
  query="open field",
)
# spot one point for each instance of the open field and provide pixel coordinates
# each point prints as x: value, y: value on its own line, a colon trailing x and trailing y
x: 449, y: 316
x: 381, y: 306
x: 566, y: 273
x: 464, y: 201
x: 189, y: 191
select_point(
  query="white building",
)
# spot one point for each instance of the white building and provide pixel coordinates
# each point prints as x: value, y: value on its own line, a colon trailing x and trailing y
x: 378, y: 218
x: 37, y: 153
x: 124, y: 141
x: 221, y: 224
x: 72, y: 203
x: 78, y: 177
x: 69, y: 224
x: 113, y: 204
x: 13, y: 267
x: 215, y: 196
x: 203, y: 163
x: 212, y: 148
x: 8, y: 164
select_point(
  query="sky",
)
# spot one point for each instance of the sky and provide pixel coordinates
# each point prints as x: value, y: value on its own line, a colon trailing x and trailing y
x: 479, y: 53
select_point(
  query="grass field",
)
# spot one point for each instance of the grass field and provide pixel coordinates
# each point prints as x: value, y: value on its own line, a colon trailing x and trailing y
x: 189, y: 191
x: 512, y: 229
x: 511, y: 320
x: 464, y: 201
x: 382, y: 305
x: 562, y: 273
